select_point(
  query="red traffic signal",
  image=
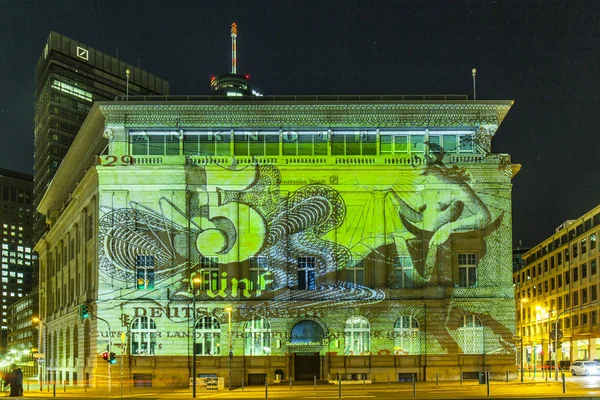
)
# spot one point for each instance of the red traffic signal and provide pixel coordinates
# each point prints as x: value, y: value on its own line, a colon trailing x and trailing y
x: 105, y: 356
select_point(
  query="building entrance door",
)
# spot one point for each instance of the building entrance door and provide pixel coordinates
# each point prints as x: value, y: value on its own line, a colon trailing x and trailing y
x: 306, y: 367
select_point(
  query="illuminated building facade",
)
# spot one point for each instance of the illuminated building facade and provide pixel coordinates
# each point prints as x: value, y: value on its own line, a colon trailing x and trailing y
x: 18, y: 261
x: 22, y: 335
x: 70, y: 76
x: 560, y: 279
x: 303, y: 236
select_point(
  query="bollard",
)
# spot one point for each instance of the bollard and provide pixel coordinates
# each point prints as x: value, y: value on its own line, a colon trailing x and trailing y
x: 437, y: 379
x: 266, y: 390
x: 487, y: 382
x: 461, y: 378
x: 339, y: 387
x: 364, y: 381
x: 414, y: 385
x: 290, y: 382
x: 28, y: 385
x: 564, y: 383
x: 506, y: 376
x: 54, y: 389
x: 242, y: 384
x: 388, y: 381
x: 315, y: 382
x: 64, y: 387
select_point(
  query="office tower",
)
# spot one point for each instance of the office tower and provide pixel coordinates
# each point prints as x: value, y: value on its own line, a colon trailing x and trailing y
x: 18, y: 260
x: 70, y: 76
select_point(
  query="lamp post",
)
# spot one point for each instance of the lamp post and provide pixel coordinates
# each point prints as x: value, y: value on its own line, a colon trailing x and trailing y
x: 230, y: 355
x: 41, y: 368
x: 195, y: 283
x: 524, y: 300
x: 543, y: 310
x: 127, y: 73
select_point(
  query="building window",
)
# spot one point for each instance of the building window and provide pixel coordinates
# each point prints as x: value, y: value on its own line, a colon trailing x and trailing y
x: 592, y: 241
x: 257, y: 336
x: 353, y: 143
x: 357, y: 336
x: 575, y: 250
x: 584, y: 296
x: 407, y: 337
x: 470, y: 334
x: 583, y: 268
x: 145, y: 272
x: 208, y: 336
x: 258, y: 267
x: 355, y: 273
x: 575, y: 299
x: 594, y: 292
x: 594, y: 317
x: 583, y: 246
x: 209, y: 143
x: 158, y: 144
x: 304, y: 144
x: 402, y: 274
x: 467, y: 269
x: 252, y: 143
x: 593, y: 267
x: 209, y: 272
x: 306, y: 273
x: 143, y: 336
x: 575, y: 274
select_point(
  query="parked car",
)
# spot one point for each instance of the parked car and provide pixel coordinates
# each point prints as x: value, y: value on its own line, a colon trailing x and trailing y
x: 585, y: 368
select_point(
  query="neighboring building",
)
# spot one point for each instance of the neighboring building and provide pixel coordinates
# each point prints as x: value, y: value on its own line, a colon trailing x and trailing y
x: 560, y: 279
x: 518, y: 261
x: 18, y: 260
x: 365, y: 236
x: 69, y: 77
x: 23, y: 334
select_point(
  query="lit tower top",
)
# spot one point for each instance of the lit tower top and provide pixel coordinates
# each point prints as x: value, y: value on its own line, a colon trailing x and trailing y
x: 232, y: 84
x: 233, y: 48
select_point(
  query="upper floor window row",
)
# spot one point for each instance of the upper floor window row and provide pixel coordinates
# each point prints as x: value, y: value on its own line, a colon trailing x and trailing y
x: 299, y: 143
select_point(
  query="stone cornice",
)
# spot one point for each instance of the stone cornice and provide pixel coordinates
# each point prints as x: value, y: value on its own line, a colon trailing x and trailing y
x: 227, y: 115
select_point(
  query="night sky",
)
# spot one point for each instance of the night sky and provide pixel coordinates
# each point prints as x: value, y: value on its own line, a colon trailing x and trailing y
x: 543, y: 55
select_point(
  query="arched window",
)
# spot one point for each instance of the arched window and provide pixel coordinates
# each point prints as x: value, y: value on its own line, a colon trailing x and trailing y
x: 208, y: 337
x: 143, y: 336
x: 257, y: 337
x: 357, y: 335
x: 407, y: 337
x: 470, y: 334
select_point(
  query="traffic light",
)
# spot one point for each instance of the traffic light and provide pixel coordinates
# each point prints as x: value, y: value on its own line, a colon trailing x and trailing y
x: 113, y: 359
x: 83, y: 311
x: 105, y: 356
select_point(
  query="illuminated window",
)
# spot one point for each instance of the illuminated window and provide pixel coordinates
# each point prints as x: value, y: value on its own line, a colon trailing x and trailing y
x: 258, y: 267
x: 257, y: 337
x: 209, y: 271
x: 358, y: 143
x: 208, y: 336
x: 394, y: 144
x: 304, y: 143
x: 207, y: 143
x: 355, y: 273
x: 306, y: 273
x: 467, y: 269
x: 470, y: 334
x: 402, y: 274
x: 256, y: 143
x: 145, y: 272
x: 72, y: 90
x: 357, y: 336
x: 592, y: 241
x: 154, y: 143
x: 407, y: 337
x: 143, y: 336
x: 583, y: 246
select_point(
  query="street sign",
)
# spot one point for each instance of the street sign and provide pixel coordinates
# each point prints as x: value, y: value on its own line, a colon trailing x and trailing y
x: 553, y: 335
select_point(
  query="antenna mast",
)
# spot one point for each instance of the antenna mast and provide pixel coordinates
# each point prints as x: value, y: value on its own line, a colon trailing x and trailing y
x: 233, y: 48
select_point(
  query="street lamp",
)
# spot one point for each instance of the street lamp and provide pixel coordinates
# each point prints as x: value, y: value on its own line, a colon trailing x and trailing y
x: 230, y: 356
x: 196, y: 281
x: 41, y: 371
x: 542, y: 311
x: 523, y: 300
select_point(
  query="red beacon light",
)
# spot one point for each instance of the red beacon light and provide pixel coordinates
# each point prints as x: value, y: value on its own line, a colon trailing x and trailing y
x: 105, y: 356
x: 247, y: 76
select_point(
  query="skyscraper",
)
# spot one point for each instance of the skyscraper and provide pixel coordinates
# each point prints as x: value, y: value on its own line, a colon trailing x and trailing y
x: 69, y: 78
x: 17, y: 257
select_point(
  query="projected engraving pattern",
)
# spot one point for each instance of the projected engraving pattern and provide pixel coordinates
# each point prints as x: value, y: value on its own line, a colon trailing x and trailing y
x: 233, y: 214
